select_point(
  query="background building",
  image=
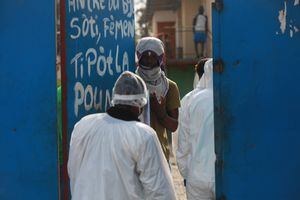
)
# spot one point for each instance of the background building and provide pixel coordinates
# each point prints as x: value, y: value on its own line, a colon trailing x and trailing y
x: 172, y: 21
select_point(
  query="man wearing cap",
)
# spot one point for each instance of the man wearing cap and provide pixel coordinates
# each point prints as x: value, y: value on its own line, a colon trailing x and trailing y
x: 164, y: 93
x: 114, y: 156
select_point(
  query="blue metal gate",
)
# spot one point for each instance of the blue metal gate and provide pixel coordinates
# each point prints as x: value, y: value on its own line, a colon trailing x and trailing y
x: 28, y: 140
x: 256, y: 86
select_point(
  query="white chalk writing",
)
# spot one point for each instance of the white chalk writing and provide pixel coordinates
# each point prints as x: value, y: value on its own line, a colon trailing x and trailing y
x: 100, y: 62
x: 89, y: 98
x: 96, y: 30
x: 91, y: 5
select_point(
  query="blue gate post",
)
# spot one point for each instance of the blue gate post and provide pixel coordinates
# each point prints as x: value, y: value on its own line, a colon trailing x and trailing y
x: 256, y: 86
x: 28, y: 139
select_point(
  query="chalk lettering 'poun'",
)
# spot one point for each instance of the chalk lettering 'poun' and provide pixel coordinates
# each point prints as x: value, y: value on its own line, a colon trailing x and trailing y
x: 89, y: 98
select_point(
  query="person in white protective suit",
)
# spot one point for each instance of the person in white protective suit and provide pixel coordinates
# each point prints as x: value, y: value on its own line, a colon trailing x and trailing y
x: 114, y: 156
x: 195, y: 153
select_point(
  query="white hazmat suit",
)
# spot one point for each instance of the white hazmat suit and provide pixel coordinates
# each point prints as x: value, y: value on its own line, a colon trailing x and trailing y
x: 117, y: 159
x: 195, y: 153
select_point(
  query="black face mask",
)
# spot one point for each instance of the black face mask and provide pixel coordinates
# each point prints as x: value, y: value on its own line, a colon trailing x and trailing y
x: 148, y: 60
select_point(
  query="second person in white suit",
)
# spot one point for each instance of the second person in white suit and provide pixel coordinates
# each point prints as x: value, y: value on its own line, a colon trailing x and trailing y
x: 195, y: 154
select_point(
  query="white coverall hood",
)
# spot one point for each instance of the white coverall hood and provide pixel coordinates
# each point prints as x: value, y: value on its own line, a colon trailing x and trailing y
x: 206, y: 81
x: 115, y: 159
x: 195, y: 153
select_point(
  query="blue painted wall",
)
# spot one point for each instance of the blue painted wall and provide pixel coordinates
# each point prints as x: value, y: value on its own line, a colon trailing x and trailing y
x: 257, y: 100
x: 28, y: 140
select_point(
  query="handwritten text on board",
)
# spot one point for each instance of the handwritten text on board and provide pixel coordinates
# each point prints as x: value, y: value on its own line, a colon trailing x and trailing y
x: 98, y: 22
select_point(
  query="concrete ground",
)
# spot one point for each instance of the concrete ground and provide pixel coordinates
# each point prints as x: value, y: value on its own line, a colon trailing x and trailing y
x: 178, y: 180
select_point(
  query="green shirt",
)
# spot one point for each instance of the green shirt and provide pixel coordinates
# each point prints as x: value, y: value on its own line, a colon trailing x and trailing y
x: 172, y: 102
x: 59, y: 123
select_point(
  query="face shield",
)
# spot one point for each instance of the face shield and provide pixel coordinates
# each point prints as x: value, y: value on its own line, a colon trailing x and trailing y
x: 130, y: 90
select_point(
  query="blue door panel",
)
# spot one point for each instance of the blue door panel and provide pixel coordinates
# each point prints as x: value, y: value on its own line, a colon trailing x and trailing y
x: 257, y: 99
x: 28, y: 140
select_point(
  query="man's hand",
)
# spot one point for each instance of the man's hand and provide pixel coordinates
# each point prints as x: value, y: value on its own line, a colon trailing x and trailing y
x: 159, y: 108
x: 169, y: 119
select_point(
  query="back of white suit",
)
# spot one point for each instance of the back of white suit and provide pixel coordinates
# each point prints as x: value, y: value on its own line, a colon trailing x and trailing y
x: 195, y: 153
x: 115, y: 159
x: 201, y: 166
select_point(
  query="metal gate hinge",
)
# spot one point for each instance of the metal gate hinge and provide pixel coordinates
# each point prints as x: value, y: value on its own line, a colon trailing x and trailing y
x: 219, y: 66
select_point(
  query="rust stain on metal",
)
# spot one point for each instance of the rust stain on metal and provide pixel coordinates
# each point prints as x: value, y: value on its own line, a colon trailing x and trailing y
x: 219, y: 66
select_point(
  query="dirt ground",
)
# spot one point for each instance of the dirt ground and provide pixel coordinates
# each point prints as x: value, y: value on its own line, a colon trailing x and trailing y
x: 178, y: 181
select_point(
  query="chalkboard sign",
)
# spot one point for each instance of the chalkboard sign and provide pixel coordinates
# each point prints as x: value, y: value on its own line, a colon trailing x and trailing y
x: 97, y: 46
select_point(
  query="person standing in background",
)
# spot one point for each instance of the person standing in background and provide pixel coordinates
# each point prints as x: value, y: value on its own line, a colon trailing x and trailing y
x: 200, y: 31
x: 164, y: 93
